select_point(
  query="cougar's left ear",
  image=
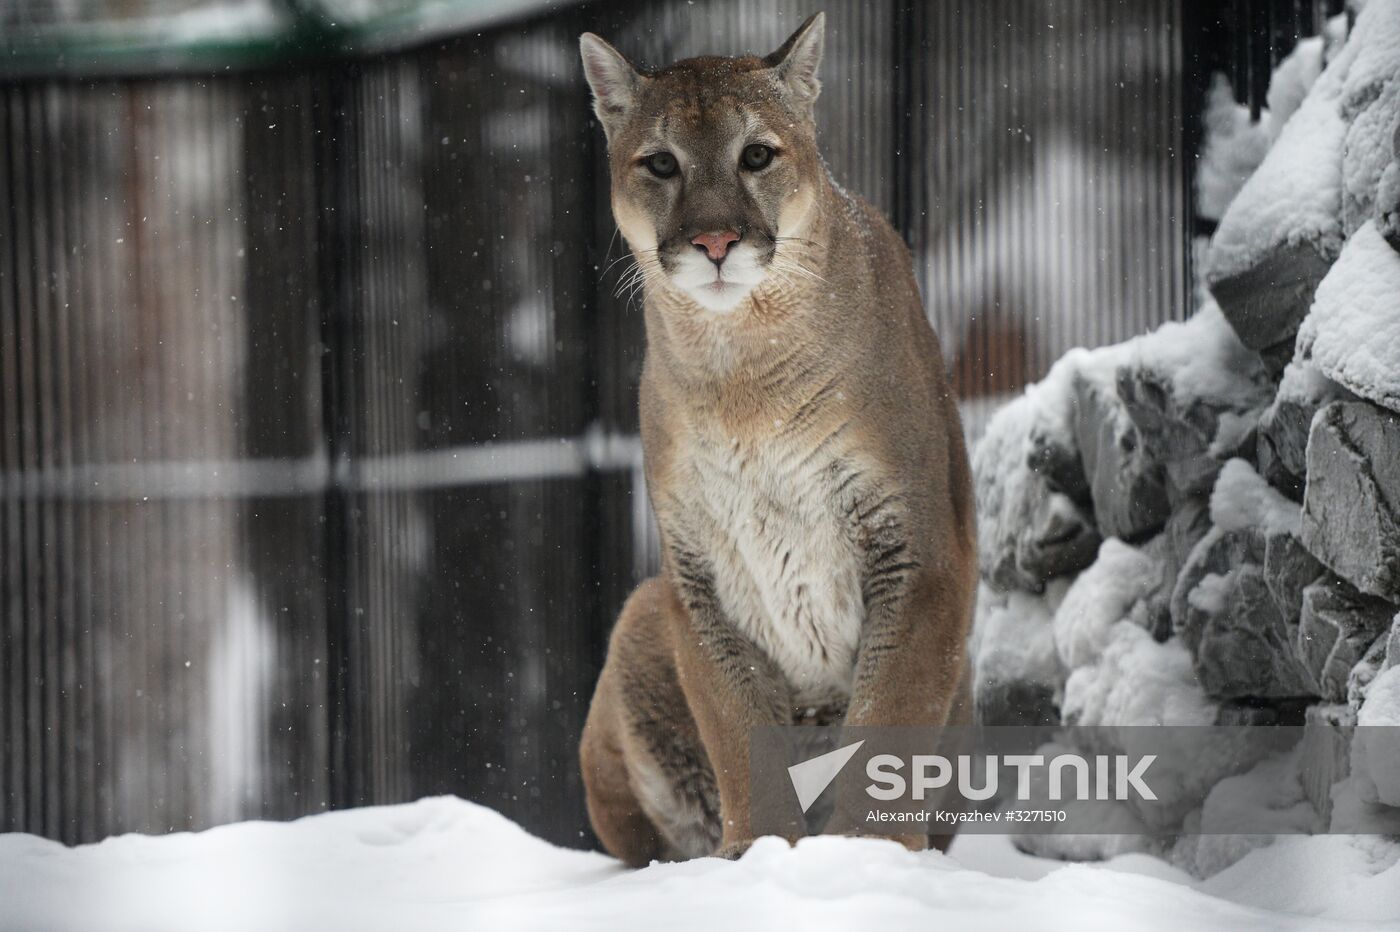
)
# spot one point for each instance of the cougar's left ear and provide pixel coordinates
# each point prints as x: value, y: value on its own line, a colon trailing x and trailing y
x: 796, y: 61
x: 615, y: 83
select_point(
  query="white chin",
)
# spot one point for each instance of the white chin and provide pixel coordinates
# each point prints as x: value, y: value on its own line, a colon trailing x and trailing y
x: 718, y: 296
x: 715, y: 290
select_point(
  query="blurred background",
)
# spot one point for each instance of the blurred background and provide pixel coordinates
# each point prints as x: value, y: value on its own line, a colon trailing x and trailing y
x: 319, y: 477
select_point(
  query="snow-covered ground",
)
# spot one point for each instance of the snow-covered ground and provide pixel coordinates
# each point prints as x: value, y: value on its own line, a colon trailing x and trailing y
x: 444, y: 863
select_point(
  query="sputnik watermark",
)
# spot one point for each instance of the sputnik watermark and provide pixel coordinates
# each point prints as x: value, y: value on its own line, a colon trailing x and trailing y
x: 1065, y: 779
x: 1117, y: 777
x: 811, y: 777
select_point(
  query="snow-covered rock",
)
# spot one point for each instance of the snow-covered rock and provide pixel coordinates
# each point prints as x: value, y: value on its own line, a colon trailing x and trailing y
x: 1091, y: 450
x: 1279, y: 402
x: 1352, y: 333
x: 1137, y: 681
x: 1140, y: 682
x: 1293, y: 78
x: 1319, y: 182
x: 1018, y: 676
x: 1235, y: 144
x: 1355, y: 811
x: 1103, y: 595
x: 1110, y: 828
x: 1029, y: 529
x: 1241, y: 500
x: 1376, y: 37
x: 1376, y: 749
x: 1281, y: 233
x: 1194, y: 392
x: 1362, y: 675
x: 1127, y: 485
x: 1350, y: 517
x: 1299, y: 875
x: 1371, y: 104
x: 1368, y: 151
x: 1295, y: 195
x: 1388, y: 199
x: 1239, y: 629
x: 1066, y: 446
x: 1237, y: 809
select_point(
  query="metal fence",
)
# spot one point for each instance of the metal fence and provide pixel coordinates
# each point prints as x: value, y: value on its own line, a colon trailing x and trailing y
x: 318, y: 472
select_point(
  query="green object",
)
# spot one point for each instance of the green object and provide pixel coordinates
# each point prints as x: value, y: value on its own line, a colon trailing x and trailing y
x: 39, y: 39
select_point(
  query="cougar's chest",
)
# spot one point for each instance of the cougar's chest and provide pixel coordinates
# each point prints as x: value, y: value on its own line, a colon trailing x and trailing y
x: 787, y: 568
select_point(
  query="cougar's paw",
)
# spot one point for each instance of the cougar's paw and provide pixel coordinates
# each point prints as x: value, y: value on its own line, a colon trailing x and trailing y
x: 734, y: 850
x: 912, y: 842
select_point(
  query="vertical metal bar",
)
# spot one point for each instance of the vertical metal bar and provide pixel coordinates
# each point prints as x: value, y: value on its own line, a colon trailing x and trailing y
x: 46, y: 455
x: 29, y: 441
x: 11, y: 608
x: 334, y: 124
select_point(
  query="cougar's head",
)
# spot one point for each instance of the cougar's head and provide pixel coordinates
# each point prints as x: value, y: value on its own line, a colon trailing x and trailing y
x: 714, y: 164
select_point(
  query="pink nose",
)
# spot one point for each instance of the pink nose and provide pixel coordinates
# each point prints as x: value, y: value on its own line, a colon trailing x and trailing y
x: 716, y: 244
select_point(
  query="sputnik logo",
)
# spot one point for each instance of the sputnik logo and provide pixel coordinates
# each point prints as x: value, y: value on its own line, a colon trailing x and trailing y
x: 810, y: 777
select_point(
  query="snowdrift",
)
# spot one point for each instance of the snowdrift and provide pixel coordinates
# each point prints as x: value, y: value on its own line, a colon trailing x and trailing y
x: 443, y: 863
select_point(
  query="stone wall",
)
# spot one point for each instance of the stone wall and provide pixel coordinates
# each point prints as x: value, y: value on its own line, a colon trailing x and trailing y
x: 1202, y: 525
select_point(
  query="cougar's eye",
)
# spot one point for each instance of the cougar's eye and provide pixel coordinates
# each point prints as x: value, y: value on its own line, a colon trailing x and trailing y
x: 661, y: 164
x: 756, y: 157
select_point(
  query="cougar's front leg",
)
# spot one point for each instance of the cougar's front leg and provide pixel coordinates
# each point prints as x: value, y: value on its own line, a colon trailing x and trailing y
x: 912, y: 651
x: 732, y: 687
x: 911, y: 664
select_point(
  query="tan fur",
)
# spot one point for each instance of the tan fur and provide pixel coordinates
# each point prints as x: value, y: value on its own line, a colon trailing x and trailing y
x: 804, y: 459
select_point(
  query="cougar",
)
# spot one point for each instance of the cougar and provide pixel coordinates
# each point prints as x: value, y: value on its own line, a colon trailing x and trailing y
x: 802, y: 448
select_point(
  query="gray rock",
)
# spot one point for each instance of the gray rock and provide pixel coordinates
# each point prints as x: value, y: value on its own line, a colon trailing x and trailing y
x: 1350, y: 521
x: 1288, y: 570
x: 1043, y: 534
x: 1016, y: 703
x: 1289, y: 483
x: 1240, y: 642
x: 1335, y: 629
x: 1027, y: 531
x: 1277, y: 357
x: 1242, y: 649
x: 1282, y: 445
x: 1125, y: 482
x: 1216, y: 553
x: 1266, y: 302
x: 1192, y: 422
x: 1177, y: 437
x: 1188, y: 523
x: 1282, y: 438
x: 1253, y: 712
x: 1059, y: 465
x: 1326, y: 753
x: 1059, y: 538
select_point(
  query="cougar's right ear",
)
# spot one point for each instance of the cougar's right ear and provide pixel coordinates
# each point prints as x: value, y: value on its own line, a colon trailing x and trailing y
x: 614, y: 81
x: 796, y: 61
